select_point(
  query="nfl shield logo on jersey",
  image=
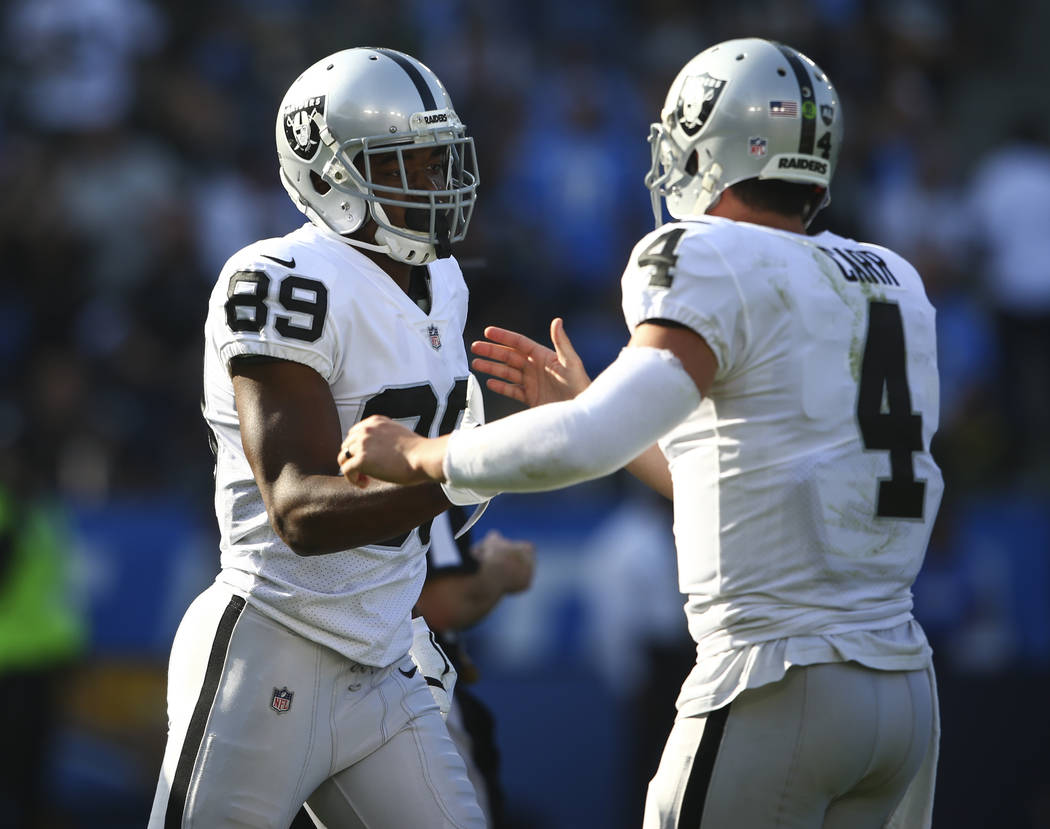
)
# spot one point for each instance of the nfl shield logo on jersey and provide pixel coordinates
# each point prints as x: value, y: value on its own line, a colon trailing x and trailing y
x: 281, y: 700
x: 435, y: 337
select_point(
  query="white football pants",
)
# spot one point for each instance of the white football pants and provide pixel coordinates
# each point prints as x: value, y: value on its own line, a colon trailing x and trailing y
x: 464, y: 743
x: 261, y: 720
x: 832, y: 746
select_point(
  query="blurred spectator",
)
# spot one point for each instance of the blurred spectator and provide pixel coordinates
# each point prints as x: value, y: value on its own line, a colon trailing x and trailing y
x: 465, y: 581
x: 1010, y: 202
x: 42, y: 635
x: 575, y: 179
x: 641, y: 646
x: 119, y: 192
x: 76, y: 59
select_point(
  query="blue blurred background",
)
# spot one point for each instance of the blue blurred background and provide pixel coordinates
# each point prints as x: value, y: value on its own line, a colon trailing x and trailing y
x: 136, y: 154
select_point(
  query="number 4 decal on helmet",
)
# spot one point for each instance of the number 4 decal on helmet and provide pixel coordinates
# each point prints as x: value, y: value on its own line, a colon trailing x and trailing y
x: 824, y: 144
x: 661, y: 256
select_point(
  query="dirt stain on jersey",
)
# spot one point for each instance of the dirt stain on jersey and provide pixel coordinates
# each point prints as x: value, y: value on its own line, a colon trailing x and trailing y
x: 855, y: 517
x: 782, y: 294
x: 847, y: 292
x: 848, y: 296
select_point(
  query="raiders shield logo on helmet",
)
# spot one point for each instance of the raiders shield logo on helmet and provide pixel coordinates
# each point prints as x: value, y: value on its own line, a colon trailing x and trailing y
x: 300, y: 130
x: 696, y: 100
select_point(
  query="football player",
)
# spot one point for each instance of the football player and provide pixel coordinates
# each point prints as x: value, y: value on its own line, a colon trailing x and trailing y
x: 790, y: 383
x: 291, y: 677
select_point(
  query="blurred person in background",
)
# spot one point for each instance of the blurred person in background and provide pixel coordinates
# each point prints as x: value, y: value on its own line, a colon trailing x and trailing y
x: 465, y: 582
x: 1010, y: 205
x: 642, y: 650
x: 43, y: 634
x: 291, y: 677
x: 791, y: 384
x: 78, y: 58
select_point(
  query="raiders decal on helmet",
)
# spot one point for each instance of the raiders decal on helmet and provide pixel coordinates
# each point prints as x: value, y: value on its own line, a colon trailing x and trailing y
x: 299, y: 128
x: 697, y: 98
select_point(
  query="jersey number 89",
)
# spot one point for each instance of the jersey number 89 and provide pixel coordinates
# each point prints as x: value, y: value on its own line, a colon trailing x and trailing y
x: 246, y: 308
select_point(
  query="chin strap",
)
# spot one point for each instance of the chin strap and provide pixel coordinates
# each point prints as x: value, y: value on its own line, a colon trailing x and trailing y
x: 402, y: 248
x: 391, y: 244
x: 394, y: 246
x: 444, y: 246
x: 357, y: 243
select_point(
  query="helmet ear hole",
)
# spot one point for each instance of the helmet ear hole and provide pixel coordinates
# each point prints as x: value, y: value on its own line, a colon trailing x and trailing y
x: 693, y: 164
x: 320, y: 185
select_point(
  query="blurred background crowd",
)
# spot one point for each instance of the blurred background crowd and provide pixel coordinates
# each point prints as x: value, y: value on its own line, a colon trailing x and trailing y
x: 137, y: 154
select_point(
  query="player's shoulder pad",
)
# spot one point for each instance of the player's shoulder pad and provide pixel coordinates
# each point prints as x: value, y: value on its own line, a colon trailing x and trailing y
x: 303, y: 254
x: 709, y: 228
x: 901, y: 267
x: 276, y: 255
x: 659, y: 253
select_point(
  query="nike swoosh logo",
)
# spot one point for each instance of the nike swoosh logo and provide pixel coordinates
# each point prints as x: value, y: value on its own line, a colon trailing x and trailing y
x: 286, y: 263
x: 408, y: 674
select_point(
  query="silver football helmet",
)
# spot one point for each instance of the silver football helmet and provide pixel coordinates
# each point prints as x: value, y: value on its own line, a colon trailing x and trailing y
x: 344, y: 111
x: 743, y: 109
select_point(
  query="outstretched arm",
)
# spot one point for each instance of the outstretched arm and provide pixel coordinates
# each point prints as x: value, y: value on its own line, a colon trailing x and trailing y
x: 651, y: 387
x: 533, y: 374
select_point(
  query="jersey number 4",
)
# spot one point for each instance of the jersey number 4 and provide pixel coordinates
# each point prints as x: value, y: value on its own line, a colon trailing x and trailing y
x: 884, y: 412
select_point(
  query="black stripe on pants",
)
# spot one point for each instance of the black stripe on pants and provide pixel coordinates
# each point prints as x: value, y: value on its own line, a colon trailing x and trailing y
x: 195, y: 733
x: 692, y: 811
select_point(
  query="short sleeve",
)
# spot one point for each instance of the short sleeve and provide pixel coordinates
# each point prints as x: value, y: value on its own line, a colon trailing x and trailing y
x: 676, y: 273
x: 448, y: 554
x: 269, y: 312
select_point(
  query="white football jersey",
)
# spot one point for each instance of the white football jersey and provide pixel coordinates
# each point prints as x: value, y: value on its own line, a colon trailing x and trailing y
x: 311, y: 298
x: 804, y: 490
x: 448, y: 554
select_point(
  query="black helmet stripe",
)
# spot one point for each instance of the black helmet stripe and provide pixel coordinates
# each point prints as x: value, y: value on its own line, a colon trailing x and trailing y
x: 808, y: 104
x: 416, y: 76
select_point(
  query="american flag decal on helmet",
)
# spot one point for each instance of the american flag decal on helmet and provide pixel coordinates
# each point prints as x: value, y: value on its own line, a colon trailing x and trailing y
x: 281, y: 700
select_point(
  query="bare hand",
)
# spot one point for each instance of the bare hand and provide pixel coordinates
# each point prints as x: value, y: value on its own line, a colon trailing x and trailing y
x: 378, y: 447
x: 528, y: 372
x: 515, y: 560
